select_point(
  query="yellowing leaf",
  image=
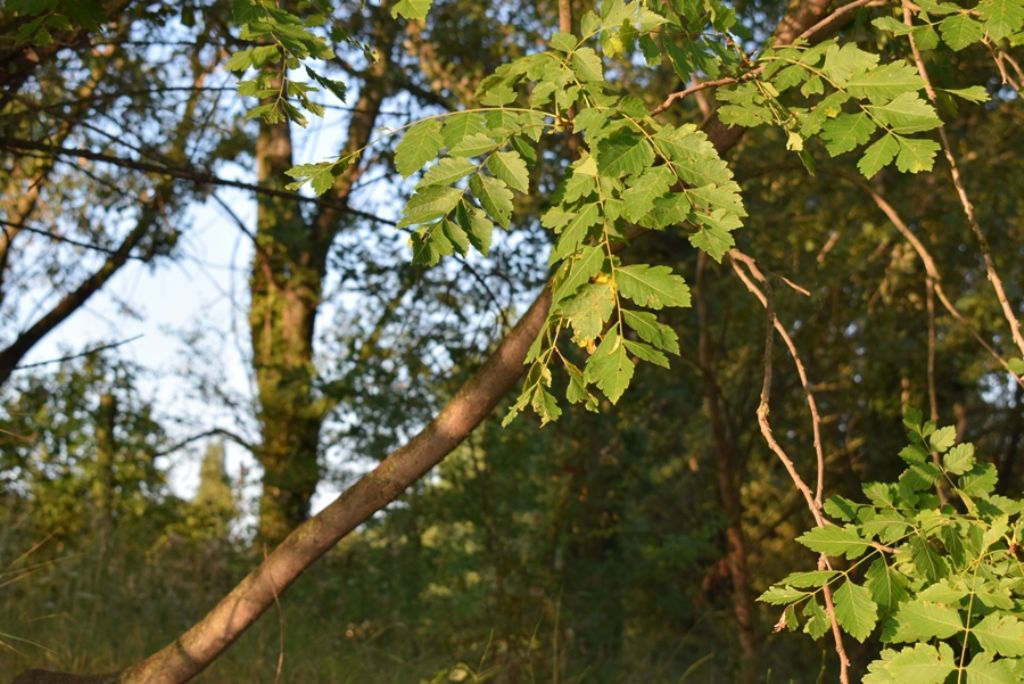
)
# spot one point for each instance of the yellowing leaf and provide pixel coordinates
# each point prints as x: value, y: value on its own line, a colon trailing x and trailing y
x: 609, y: 367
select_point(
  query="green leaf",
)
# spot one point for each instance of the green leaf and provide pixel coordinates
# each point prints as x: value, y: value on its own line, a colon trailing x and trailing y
x: 575, y: 231
x: 510, y: 168
x: 545, y: 406
x: 429, y: 203
x: 476, y: 224
x: 892, y: 25
x: 888, y: 525
x: 919, y: 476
x: 1017, y: 366
x: 747, y: 114
x: 960, y: 31
x: 833, y: 540
x: 447, y: 171
x: 564, y: 42
x: 590, y: 121
x: 922, y: 664
x: 473, y: 145
x: 840, y: 507
x: 817, y: 620
x: 411, y: 9
x: 972, y: 94
x: 842, y: 63
x: 649, y: 329
x: 960, y: 459
x: 695, y: 159
x: 791, y: 76
x: 609, y: 367
x: 494, y: 196
x: 1002, y: 17
x: 653, y: 287
x: 712, y: 239
x: 624, y: 152
x: 920, y: 620
x: 319, y: 176
x: 926, y: 37
x: 420, y: 144
x: 587, y: 65
x: 878, y: 155
x: 667, y: 211
x: 984, y: 670
x: 947, y: 590
x: 916, y: 154
x: 458, y: 127
x: 906, y: 114
x: 778, y: 595
x: 855, y: 611
x: 810, y: 579
x: 847, y: 132
x: 639, y: 198
x: 714, y: 196
x: 927, y: 561
x: 980, y: 481
x: 887, y: 586
x: 646, y: 352
x: 885, y: 82
x: 590, y: 309
x: 456, y: 235
x: 913, y: 453
x: 1000, y: 633
x: 579, y: 272
x: 430, y: 244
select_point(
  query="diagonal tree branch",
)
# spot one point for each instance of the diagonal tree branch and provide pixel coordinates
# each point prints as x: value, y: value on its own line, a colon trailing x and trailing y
x: 11, y: 355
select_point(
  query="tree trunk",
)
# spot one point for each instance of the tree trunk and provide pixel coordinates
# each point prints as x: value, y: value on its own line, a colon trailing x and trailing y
x: 286, y: 284
x: 103, y: 483
x: 286, y: 280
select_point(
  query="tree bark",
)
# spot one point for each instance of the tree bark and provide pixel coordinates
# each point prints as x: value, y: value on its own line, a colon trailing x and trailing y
x: 285, y: 287
x: 199, y: 646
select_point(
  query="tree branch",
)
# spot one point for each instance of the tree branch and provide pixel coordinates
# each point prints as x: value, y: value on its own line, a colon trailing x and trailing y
x: 965, y: 201
x: 184, y: 173
x: 16, y: 350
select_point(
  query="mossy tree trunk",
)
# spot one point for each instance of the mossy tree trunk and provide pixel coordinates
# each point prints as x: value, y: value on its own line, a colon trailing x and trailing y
x: 286, y: 284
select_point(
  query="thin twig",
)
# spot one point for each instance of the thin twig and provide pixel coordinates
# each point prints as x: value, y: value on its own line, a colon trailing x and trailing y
x: 933, y: 272
x: 280, y: 626
x: 753, y: 73
x: 71, y: 357
x: 60, y: 238
x: 766, y: 432
x: 840, y: 11
x: 212, y: 432
x: 933, y: 401
x: 196, y: 176
x: 696, y: 87
x: 801, y: 369
x: 965, y: 201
